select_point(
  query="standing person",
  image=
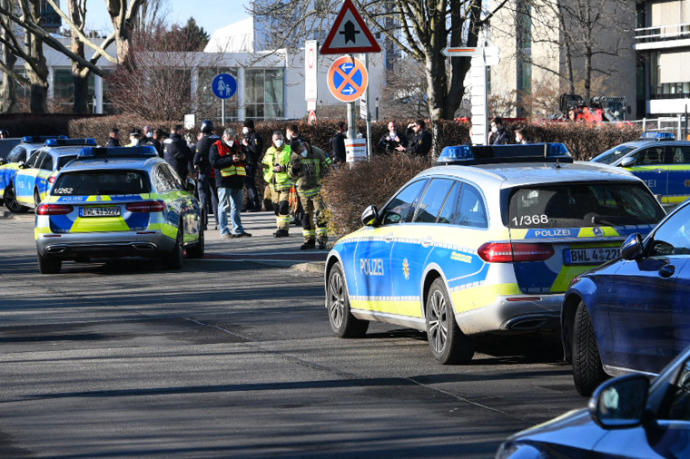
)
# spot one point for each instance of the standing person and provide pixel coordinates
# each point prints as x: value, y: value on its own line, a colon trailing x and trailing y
x: 499, y: 135
x: 293, y: 136
x: 177, y: 153
x: 275, y: 165
x: 392, y: 141
x: 206, y: 183
x: 156, y: 141
x: 521, y: 137
x: 148, y: 132
x: 228, y: 161
x: 4, y: 134
x: 419, y: 140
x: 113, y: 138
x: 307, y: 166
x: 134, y: 138
x: 338, y: 144
x: 253, y: 145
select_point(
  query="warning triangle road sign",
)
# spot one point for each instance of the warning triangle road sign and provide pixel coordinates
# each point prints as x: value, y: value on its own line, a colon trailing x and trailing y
x: 349, y: 34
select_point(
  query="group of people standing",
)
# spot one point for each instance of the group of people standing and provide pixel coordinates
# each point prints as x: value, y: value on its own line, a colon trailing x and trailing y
x: 415, y: 141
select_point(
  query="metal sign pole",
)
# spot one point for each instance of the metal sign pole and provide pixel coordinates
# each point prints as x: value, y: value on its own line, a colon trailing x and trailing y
x: 351, y: 119
x: 368, y: 112
x: 222, y: 112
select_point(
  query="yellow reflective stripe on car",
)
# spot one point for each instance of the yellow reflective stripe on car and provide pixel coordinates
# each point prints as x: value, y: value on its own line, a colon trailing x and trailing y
x: 567, y: 274
x: 99, y: 225
x: 165, y: 228
x: 674, y: 199
x: 99, y: 198
x: 41, y: 230
x: 401, y: 307
x: 585, y: 232
x: 468, y: 299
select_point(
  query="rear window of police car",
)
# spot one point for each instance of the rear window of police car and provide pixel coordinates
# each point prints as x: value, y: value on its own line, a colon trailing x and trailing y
x: 95, y: 183
x: 582, y: 204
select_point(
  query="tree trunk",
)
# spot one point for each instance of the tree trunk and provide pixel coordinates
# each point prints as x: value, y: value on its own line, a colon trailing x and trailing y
x: 8, y: 87
x: 81, y: 94
x: 588, y: 72
x: 37, y: 73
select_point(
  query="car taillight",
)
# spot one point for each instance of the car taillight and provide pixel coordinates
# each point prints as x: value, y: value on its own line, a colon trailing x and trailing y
x: 506, y: 252
x: 54, y: 209
x: 146, y: 206
x: 52, y: 178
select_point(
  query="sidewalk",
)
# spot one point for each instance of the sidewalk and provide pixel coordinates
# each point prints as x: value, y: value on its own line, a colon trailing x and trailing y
x: 262, y: 247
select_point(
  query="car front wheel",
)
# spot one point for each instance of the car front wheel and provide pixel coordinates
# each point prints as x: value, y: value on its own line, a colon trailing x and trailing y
x: 447, y: 342
x: 11, y: 203
x: 342, y: 322
x: 588, y: 371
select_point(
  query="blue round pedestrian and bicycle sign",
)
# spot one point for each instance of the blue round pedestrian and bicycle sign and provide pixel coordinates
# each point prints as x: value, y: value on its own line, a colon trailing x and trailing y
x: 224, y: 86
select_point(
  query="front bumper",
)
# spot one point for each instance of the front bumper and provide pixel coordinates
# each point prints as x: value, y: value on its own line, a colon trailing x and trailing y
x: 104, y: 245
x: 518, y: 313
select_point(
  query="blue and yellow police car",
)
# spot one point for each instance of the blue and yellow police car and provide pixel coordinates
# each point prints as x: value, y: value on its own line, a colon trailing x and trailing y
x: 662, y: 162
x: 34, y: 177
x: 18, y: 155
x: 488, y: 242
x: 117, y: 202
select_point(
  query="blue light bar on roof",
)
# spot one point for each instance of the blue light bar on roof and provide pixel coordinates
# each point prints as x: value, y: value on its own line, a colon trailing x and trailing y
x: 657, y: 136
x: 71, y: 142
x: 491, y: 154
x: 41, y: 138
x: 146, y: 151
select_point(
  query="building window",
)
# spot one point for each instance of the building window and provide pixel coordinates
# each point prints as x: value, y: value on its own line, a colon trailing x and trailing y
x: 264, y: 93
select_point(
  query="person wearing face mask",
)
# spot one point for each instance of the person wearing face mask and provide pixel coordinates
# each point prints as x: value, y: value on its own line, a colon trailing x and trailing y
x: 292, y: 136
x: 307, y: 166
x: 253, y: 145
x: 275, y: 165
x: 229, y: 162
x: 499, y: 135
x: 134, y: 138
x: 177, y: 153
x: 393, y: 141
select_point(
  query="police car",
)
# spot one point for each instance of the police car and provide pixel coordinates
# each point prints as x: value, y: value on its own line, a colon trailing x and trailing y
x: 117, y: 202
x: 18, y: 155
x: 487, y: 243
x: 37, y: 174
x: 662, y: 162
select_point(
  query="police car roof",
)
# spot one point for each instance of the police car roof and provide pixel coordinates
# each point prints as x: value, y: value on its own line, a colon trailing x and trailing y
x: 63, y: 151
x: 90, y: 164
x: 507, y: 175
x: 650, y: 143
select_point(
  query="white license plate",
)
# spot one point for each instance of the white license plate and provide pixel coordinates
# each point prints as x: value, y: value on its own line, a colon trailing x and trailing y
x: 100, y: 212
x: 591, y: 256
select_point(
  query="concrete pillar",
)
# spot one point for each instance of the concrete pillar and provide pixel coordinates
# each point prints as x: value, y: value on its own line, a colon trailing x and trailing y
x: 98, y: 89
x: 195, y: 89
x: 51, y: 83
x: 241, y: 100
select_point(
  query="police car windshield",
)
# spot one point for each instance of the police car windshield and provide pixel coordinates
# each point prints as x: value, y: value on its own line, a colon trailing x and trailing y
x: 17, y: 154
x: 615, y: 153
x: 582, y: 205
x: 97, y: 183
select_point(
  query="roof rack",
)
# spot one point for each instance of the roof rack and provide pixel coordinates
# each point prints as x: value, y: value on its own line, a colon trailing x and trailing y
x: 657, y: 136
x: 71, y: 142
x: 146, y: 151
x: 41, y: 138
x: 494, y: 154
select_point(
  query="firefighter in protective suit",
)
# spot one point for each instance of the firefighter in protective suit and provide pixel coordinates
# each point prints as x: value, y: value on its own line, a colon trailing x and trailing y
x: 275, y: 165
x: 308, y: 164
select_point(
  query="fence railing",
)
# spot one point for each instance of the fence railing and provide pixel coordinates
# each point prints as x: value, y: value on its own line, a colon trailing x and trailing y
x: 661, y: 33
x: 677, y: 125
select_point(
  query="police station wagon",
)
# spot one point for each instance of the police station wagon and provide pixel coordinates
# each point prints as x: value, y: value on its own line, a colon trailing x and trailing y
x: 488, y: 243
x: 117, y: 202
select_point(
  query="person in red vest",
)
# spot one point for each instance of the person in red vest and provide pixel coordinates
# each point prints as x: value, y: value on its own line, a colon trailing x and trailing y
x: 229, y: 163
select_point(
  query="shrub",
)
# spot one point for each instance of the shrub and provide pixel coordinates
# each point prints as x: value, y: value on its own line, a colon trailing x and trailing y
x: 21, y: 124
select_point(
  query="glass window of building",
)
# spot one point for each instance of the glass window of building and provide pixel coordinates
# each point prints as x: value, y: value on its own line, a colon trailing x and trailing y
x: 264, y: 93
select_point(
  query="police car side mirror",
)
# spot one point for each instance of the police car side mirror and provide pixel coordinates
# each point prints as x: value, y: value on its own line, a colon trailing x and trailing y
x: 2, y: 161
x: 190, y: 185
x: 21, y: 165
x: 370, y: 216
x: 627, y: 162
x: 632, y: 248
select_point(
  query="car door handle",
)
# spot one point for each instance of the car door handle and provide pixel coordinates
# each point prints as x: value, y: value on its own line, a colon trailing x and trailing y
x: 427, y: 242
x: 388, y: 238
x: 667, y: 271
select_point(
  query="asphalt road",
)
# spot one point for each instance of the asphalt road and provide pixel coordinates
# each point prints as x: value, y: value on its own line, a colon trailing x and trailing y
x: 233, y: 356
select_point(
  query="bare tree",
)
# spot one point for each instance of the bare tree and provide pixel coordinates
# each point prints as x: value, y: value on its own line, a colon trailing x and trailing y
x: 8, y: 93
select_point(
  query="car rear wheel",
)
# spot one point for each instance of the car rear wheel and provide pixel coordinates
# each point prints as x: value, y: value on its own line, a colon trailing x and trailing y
x: 37, y: 198
x: 588, y: 371
x: 448, y: 344
x: 342, y: 322
x: 176, y: 258
x: 197, y: 250
x: 49, y: 265
x: 11, y: 201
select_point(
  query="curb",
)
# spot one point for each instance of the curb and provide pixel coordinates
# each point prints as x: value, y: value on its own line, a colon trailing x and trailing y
x: 315, y: 267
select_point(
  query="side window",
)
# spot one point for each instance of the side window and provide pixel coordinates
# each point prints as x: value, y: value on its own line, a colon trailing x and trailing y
x: 175, y: 182
x: 401, y: 207
x: 471, y: 211
x: 680, y: 154
x: 46, y: 163
x: 430, y: 206
x: 34, y: 159
x: 673, y: 238
x: 447, y: 214
x: 158, y: 180
x: 650, y: 156
x: 17, y: 154
x: 677, y: 402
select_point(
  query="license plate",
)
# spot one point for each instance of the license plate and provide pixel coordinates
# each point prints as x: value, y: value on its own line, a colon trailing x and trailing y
x: 591, y: 256
x: 100, y: 212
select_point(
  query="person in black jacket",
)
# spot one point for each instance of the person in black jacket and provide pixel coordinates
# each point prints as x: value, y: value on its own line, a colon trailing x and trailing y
x: 499, y: 135
x: 113, y: 138
x: 229, y: 162
x: 206, y: 184
x: 177, y: 153
x: 253, y: 145
x: 419, y: 139
x: 338, y: 144
x: 393, y: 141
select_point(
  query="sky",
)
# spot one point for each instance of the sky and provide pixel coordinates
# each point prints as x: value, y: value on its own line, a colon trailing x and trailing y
x: 209, y: 14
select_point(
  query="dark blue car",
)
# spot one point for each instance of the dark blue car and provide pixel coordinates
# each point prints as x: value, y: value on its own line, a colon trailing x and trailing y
x: 625, y: 418
x: 632, y: 313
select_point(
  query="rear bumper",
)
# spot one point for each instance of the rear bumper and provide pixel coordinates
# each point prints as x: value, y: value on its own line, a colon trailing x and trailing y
x: 104, y: 245
x: 518, y: 313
